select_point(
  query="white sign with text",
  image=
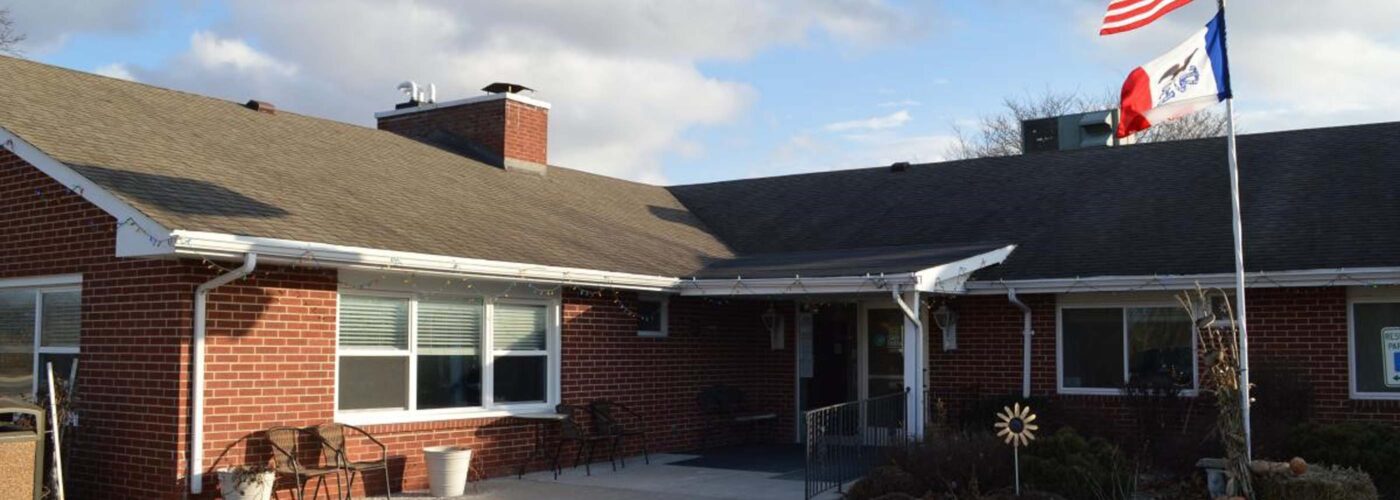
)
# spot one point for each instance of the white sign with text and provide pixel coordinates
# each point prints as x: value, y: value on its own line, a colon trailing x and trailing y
x: 1390, y: 348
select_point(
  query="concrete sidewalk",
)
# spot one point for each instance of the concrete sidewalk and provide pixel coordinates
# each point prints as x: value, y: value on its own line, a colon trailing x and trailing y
x: 638, y: 481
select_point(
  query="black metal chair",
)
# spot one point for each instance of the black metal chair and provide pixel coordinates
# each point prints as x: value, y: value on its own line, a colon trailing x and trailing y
x: 286, y: 460
x: 615, y: 419
x: 571, y: 431
x: 334, y: 453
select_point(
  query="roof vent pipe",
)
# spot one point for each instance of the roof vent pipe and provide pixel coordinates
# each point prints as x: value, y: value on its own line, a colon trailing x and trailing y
x: 1026, y: 334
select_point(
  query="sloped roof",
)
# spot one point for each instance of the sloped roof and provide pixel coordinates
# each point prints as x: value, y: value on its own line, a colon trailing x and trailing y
x: 1312, y: 199
x: 840, y: 262
x: 202, y: 164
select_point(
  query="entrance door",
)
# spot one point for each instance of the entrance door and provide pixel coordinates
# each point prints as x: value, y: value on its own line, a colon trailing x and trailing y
x: 884, y: 352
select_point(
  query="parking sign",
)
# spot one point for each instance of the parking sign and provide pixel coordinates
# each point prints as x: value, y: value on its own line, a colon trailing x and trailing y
x: 1390, y: 348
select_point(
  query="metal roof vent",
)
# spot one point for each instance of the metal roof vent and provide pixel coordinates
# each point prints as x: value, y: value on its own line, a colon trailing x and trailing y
x: 899, y: 166
x: 261, y: 106
x: 506, y: 88
x: 416, y: 95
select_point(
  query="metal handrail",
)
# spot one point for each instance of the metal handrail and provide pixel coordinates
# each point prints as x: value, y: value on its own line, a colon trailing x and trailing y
x: 845, y: 440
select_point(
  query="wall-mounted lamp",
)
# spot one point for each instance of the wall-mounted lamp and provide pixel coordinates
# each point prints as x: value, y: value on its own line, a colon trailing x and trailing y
x: 773, y: 323
x: 947, y: 320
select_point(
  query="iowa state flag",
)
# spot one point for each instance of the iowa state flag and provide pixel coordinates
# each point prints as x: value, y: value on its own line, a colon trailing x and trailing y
x: 1189, y: 78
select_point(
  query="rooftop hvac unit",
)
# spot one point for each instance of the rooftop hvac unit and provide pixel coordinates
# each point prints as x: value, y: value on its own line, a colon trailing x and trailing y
x: 1077, y: 131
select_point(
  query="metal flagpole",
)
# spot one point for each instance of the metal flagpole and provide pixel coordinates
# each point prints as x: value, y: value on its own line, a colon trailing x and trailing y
x: 1239, y: 255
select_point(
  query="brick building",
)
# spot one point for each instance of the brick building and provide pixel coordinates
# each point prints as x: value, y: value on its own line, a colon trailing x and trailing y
x: 217, y: 268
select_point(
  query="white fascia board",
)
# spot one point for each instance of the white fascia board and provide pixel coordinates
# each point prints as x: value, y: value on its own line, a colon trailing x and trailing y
x: 137, y: 234
x: 204, y: 244
x: 950, y: 278
x: 428, y: 106
x: 1262, y: 279
x: 795, y: 285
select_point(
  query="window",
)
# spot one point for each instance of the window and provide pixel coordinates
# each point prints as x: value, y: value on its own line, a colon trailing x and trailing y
x: 429, y: 357
x: 651, y: 316
x: 1103, y: 348
x: 1375, y: 348
x: 55, y: 314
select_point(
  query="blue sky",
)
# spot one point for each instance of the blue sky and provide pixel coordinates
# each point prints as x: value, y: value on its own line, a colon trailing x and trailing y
x: 680, y: 92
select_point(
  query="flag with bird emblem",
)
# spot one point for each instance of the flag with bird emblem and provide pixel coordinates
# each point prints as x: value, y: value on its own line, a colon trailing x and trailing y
x: 1187, y: 79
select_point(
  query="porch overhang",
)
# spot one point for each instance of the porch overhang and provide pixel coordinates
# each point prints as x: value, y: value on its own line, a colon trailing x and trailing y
x: 929, y: 269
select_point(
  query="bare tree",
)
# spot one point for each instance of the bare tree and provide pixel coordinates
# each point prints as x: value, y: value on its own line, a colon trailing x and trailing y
x: 1000, y: 134
x: 9, y: 38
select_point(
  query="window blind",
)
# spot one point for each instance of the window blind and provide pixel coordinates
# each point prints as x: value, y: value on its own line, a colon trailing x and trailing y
x: 62, y: 319
x: 367, y: 321
x: 17, y: 321
x: 449, y: 327
x: 519, y: 327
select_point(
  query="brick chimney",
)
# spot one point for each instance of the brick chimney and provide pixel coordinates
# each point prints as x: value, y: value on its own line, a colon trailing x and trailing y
x: 502, y: 128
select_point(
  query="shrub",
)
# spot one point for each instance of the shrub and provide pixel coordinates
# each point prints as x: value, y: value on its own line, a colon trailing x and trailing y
x: 1078, y: 468
x: 964, y: 464
x: 1370, y: 447
x: 1320, y: 482
x: 886, y: 481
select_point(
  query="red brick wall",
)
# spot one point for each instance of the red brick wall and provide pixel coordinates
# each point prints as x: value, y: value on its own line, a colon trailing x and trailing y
x: 271, y: 361
x: 136, y: 319
x: 505, y: 127
x: 1301, y: 328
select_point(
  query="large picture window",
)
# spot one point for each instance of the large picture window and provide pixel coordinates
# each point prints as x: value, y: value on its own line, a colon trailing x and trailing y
x: 37, y: 326
x: 434, y: 356
x: 1375, y: 349
x: 1102, y: 349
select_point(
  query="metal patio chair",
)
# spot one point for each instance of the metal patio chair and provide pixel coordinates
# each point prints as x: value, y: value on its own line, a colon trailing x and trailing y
x: 615, y: 419
x: 333, y: 452
x: 570, y: 430
x: 723, y: 407
x: 286, y: 460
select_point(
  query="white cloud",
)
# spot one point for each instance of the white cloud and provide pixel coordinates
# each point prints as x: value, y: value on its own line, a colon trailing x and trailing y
x: 892, y: 120
x: 212, y: 53
x: 623, y: 76
x: 902, y: 103
x: 48, y: 24
x: 115, y: 70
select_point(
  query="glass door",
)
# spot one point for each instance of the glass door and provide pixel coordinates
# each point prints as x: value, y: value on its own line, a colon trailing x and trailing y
x: 884, y: 352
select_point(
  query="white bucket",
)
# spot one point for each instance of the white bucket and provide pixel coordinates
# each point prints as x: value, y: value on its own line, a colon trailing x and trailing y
x: 447, y: 469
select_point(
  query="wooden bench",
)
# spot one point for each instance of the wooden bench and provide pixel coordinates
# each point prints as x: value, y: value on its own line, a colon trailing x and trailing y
x: 722, y: 407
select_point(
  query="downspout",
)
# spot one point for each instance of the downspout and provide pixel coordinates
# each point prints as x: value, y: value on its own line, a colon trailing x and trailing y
x: 916, y: 397
x: 201, y: 306
x: 1026, y: 334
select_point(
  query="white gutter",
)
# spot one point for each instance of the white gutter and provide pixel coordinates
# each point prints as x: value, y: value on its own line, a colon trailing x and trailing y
x: 204, y: 244
x: 1026, y: 333
x: 1362, y: 276
x: 201, y: 306
x: 795, y: 285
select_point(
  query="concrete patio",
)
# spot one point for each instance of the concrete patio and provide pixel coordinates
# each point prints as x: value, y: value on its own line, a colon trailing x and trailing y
x: 770, y: 472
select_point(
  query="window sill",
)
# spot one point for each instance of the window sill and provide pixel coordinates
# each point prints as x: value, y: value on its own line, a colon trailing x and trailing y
x: 1376, y: 396
x: 651, y: 334
x: 1064, y: 391
x: 379, y: 417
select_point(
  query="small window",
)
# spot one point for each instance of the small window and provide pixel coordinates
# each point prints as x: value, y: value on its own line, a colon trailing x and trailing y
x: 1103, y: 349
x: 1375, y: 349
x: 23, y: 354
x: 651, y: 316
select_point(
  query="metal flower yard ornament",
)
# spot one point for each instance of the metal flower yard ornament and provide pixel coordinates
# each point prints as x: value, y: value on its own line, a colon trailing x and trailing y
x: 1016, y: 427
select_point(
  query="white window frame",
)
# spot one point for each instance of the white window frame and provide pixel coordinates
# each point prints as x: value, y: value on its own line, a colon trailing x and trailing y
x: 1123, y: 304
x: 40, y: 286
x: 665, y: 301
x: 1360, y: 295
x: 488, y: 408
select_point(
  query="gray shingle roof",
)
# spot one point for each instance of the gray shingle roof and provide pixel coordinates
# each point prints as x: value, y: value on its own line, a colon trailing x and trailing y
x: 197, y: 163
x: 1312, y: 199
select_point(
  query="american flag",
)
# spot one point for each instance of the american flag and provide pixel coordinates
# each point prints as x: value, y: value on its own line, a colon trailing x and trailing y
x: 1128, y: 15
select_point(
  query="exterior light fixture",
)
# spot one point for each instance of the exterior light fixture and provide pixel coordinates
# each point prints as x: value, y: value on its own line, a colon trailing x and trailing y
x: 947, y: 321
